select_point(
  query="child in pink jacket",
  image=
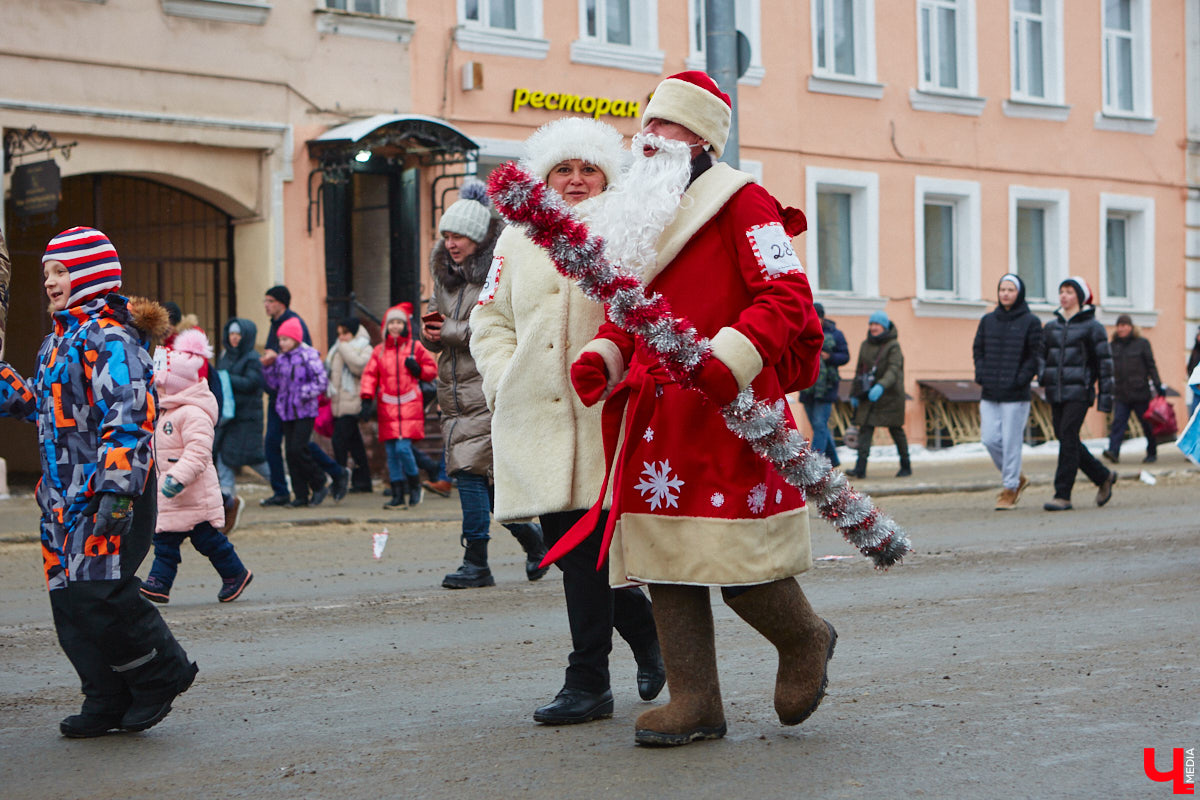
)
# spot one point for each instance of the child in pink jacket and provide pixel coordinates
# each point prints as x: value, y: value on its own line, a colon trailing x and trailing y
x: 192, y: 506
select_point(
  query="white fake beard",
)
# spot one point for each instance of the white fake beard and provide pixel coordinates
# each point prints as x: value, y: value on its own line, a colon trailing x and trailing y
x: 634, y: 213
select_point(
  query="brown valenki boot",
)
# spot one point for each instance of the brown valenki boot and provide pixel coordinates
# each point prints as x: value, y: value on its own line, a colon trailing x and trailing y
x: 781, y: 613
x: 683, y: 616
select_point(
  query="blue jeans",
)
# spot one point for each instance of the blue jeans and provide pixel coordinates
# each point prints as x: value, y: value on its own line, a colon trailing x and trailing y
x: 1120, y: 422
x: 477, y: 497
x: 207, y: 540
x: 401, y: 463
x: 822, y: 440
x: 325, y: 461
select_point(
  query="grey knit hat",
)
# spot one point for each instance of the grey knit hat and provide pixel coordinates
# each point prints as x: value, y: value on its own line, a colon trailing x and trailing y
x: 468, y: 216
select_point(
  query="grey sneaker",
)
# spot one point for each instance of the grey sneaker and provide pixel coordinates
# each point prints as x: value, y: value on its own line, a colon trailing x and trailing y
x: 1058, y: 504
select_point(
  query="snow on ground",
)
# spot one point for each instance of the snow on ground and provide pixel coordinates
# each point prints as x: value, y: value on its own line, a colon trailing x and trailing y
x: 975, y: 450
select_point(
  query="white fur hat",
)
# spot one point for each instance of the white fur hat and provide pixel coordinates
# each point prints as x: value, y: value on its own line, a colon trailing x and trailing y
x: 468, y: 215
x: 587, y: 139
x: 693, y: 100
x: 185, y: 357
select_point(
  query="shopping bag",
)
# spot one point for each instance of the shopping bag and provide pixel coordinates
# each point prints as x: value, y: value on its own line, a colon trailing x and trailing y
x: 1160, y: 420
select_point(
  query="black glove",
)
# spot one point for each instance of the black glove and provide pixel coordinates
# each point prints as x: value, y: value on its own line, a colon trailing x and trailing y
x: 368, y: 410
x: 1162, y: 390
x: 413, y: 366
x: 114, y: 514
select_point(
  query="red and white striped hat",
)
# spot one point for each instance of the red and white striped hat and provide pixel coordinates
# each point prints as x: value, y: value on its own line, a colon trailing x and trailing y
x: 90, y: 258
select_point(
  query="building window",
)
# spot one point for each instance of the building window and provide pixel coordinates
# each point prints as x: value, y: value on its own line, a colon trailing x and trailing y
x: 946, y: 37
x: 618, y: 33
x: 1127, y: 247
x: 747, y: 14
x: 370, y: 19
x: 842, y: 245
x: 1037, y: 51
x: 501, y: 27
x: 948, y: 240
x: 844, y: 39
x: 1039, y: 244
x: 1126, y: 57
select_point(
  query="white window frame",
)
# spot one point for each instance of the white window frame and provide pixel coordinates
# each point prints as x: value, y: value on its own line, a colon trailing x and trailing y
x: 748, y: 14
x: 389, y: 25
x: 966, y: 301
x: 863, y: 81
x: 1056, y: 203
x: 642, y: 54
x: 929, y: 96
x: 1140, y: 80
x: 476, y: 36
x: 1139, y: 263
x: 863, y: 188
x: 1050, y: 105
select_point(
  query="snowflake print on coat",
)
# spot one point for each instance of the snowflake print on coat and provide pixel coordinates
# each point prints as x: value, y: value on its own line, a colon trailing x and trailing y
x: 778, y: 496
x: 757, y: 500
x: 648, y: 435
x: 717, y: 499
x: 659, y: 483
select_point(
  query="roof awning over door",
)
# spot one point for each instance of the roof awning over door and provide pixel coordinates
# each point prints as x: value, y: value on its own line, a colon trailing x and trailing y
x: 408, y: 137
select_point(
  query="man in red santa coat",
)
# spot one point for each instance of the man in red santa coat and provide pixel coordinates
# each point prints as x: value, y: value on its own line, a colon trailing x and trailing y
x: 693, y: 505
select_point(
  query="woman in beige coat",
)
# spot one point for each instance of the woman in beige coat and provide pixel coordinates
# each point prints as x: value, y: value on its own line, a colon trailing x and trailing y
x: 344, y: 363
x: 528, y: 326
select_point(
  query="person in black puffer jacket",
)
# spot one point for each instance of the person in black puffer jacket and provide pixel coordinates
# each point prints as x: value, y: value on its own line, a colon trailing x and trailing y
x: 1134, y: 373
x: 1075, y: 358
x: 238, y: 441
x: 1007, y: 346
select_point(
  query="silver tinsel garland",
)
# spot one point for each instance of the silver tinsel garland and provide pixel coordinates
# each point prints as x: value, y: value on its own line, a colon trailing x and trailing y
x: 527, y: 202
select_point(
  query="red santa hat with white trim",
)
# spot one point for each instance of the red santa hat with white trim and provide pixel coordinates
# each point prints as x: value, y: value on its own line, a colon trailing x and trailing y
x: 91, y: 260
x: 1082, y: 290
x: 692, y: 99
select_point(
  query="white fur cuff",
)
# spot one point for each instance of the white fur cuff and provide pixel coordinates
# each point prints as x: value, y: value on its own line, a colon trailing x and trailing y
x: 739, y: 354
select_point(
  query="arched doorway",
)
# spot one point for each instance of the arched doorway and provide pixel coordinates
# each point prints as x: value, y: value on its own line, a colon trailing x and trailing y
x: 173, y: 246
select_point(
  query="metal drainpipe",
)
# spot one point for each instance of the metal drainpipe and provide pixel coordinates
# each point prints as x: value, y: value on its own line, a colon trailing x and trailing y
x: 721, y: 61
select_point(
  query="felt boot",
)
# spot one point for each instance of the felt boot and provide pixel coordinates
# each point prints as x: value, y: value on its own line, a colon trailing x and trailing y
x: 781, y: 613
x: 683, y: 616
x: 398, y: 498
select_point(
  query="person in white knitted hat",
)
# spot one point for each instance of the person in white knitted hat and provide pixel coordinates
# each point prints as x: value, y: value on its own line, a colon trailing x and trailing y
x: 693, y: 505
x: 529, y: 324
x: 459, y: 264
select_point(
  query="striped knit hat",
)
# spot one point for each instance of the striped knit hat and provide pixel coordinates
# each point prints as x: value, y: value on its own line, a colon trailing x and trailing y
x: 90, y: 258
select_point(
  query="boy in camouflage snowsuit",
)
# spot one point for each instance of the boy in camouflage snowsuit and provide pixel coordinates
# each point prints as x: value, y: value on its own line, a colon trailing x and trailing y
x: 93, y: 401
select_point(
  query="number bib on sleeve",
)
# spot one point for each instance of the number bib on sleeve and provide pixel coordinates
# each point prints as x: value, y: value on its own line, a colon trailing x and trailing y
x: 773, y: 249
x: 488, y: 292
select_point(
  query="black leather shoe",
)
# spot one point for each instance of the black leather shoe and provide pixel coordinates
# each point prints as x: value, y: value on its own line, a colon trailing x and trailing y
x: 274, y: 500
x: 651, y: 674
x: 89, y: 725
x: 572, y: 706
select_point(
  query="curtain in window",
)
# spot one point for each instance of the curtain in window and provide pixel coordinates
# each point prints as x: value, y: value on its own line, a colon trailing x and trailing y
x: 1031, y: 250
x: 939, y: 247
x: 834, y: 248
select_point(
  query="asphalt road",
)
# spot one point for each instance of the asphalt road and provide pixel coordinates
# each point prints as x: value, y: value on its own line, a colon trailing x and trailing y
x: 1018, y: 654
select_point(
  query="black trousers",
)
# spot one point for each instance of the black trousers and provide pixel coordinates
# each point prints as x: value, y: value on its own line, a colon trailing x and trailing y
x: 348, y: 441
x: 305, y: 471
x: 594, y: 608
x: 866, y: 434
x: 115, y: 639
x: 1072, y: 455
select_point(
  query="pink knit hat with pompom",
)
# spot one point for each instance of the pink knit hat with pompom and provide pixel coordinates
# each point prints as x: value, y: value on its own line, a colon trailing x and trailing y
x: 185, y: 358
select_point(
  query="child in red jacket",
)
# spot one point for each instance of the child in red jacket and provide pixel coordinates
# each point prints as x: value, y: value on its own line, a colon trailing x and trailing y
x: 392, y: 379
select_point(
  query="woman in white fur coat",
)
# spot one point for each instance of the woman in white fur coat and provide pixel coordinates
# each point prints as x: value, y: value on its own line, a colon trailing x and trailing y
x: 546, y: 445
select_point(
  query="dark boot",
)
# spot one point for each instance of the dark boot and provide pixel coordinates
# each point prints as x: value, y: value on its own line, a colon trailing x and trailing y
x: 530, y: 537
x: 398, y: 498
x: 684, y: 619
x: 860, y: 468
x: 474, y: 572
x: 781, y: 613
x: 414, y: 490
x: 901, y: 440
x: 905, y: 468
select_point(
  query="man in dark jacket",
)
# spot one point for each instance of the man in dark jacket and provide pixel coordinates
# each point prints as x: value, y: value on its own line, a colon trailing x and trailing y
x: 1075, y: 357
x: 1007, y: 345
x: 819, y: 398
x: 1135, y: 381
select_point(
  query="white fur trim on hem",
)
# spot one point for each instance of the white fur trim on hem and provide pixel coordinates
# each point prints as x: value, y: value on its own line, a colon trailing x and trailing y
x: 737, y: 352
x: 703, y: 551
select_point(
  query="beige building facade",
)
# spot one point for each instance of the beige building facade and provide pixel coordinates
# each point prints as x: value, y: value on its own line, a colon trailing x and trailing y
x: 227, y: 145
